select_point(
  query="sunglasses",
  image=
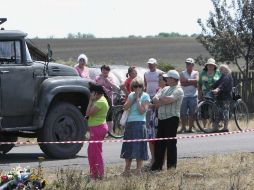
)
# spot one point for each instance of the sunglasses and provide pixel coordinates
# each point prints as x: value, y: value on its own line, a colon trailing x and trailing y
x: 137, y: 86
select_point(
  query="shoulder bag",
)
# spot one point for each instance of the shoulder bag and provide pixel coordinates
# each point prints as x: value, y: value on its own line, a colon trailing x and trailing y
x: 124, y: 117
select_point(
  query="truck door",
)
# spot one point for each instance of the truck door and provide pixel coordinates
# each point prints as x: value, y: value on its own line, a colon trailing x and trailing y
x: 17, y: 87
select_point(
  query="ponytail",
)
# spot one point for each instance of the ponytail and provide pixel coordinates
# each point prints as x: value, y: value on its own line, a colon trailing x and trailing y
x: 130, y: 69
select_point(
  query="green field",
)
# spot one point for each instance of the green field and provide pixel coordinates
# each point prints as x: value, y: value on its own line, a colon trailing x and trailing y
x: 125, y: 51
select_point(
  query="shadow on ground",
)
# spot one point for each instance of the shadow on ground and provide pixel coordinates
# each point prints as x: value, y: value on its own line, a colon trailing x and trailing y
x: 13, y: 158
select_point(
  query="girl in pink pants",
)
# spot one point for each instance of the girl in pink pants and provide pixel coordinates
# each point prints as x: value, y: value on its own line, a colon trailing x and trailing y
x: 95, y: 150
x: 97, y: 110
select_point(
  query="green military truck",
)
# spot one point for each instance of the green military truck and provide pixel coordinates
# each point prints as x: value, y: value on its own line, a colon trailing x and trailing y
x: 39, y: 99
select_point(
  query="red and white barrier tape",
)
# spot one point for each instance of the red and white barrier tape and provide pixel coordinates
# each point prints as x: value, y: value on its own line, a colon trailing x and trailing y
x: 133, y: 140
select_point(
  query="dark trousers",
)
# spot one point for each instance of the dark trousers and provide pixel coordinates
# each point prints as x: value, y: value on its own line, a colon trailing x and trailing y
x: 166, y: 128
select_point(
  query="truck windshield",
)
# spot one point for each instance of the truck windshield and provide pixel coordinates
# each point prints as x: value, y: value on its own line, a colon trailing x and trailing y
x: 10, y: 52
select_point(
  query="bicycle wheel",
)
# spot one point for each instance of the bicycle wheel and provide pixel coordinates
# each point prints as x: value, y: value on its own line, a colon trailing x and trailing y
x: 117, y: 130
x: 241, y: 115
x: 206, y: 115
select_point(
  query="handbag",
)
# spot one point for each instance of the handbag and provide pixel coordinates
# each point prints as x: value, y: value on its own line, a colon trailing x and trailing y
x: 124, y: 117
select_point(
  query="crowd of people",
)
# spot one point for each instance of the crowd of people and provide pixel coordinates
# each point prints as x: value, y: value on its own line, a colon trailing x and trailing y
x: 157, y: 104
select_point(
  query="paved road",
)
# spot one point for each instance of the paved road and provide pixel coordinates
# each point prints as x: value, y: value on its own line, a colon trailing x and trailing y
x: 198, y: 147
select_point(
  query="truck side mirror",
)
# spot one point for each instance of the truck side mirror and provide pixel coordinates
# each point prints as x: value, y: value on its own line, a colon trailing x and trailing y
x: 49, y: 54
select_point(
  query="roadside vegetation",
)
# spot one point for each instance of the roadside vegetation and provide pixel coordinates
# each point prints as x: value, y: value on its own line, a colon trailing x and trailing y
x: 234, y: 171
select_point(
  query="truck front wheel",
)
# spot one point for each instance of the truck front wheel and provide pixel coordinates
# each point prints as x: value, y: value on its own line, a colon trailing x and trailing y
x: 64, y: 122
x: 4, y: 148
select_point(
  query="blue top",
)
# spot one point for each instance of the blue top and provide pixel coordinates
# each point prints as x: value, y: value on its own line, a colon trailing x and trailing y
x: 134, y: 114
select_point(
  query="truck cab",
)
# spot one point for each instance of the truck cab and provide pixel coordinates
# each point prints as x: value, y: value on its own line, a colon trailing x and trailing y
x: 39, y: 99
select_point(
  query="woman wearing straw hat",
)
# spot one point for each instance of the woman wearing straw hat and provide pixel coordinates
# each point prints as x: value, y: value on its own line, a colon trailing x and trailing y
x: 207, y: 78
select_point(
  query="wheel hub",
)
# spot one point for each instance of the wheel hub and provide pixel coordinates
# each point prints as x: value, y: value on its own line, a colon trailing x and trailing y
x: 65, y: 128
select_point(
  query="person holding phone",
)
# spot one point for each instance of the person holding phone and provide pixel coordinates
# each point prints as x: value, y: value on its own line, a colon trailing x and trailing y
x: 97, y: 110
x: 138, y: 103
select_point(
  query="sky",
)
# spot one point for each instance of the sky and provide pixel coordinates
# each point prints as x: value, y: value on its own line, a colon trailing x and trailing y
x: 104, y: 18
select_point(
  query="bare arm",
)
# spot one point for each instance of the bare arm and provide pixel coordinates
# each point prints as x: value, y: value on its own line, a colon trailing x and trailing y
x: 142, y: 107
x: 194, y: 81
x: 156, y: 103
x: 124, y: 89
x: 128, y: 104
x: 183, y: 80
x: 131, y: 100
x: 145, y: 83
x: 166, y: 100
x: 112, y: 84
x: 91, y: 109
x: 162, y: 101
x: 188, y: 82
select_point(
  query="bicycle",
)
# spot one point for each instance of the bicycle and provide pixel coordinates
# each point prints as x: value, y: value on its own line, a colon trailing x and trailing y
x: 210, y: 115
x: 116, y: 109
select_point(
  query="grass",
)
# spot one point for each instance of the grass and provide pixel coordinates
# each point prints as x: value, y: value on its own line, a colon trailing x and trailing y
x: 224, y: 171
x: 234, y: 171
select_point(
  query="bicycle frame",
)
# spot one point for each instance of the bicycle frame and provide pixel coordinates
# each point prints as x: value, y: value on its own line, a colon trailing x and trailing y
x: 116, y: 110
x: 210, y: 110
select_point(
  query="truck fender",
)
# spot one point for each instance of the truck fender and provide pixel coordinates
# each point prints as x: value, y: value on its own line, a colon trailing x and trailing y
x: 49, y: 90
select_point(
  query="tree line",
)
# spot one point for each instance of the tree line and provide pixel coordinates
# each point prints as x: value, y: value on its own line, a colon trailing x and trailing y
x: 81, y: 35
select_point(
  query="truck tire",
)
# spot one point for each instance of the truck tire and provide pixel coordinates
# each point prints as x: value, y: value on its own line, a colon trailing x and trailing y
x: 64, y: 122
x: 4, y: 148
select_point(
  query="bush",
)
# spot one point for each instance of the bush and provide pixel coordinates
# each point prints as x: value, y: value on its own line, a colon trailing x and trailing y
x: 165, y: 66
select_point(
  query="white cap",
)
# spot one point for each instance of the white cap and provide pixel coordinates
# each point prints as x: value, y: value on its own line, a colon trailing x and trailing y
x: 190, y: 60
x: 152, y: 61
x: 211, y: 61
x: 82, y: 56
x: 172, y: 73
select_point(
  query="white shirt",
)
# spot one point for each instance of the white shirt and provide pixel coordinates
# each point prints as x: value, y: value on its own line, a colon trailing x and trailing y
x: 152, y: 82
x: 191, y: 90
